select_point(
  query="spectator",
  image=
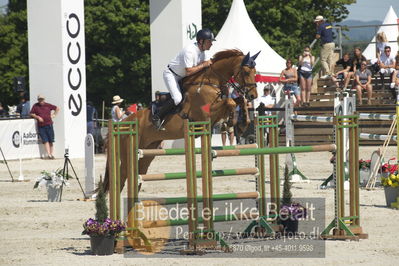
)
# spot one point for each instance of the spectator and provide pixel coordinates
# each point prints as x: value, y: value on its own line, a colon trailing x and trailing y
x: 381, y: 43
x: 117, y: 112
x: 387, y: 65
x: 306, y: 63
x: 23, y: 108
x: 395, y: 77
x: 44, y: 112
x: 358, y: 58
x: 324, y: 33
x: 363, y: 82
x: 139, y: 107
x: 266, y: 101
x: 289, y: 78
x: 91, y: 114
x: 346, y: 73
x: 227, y: 128
x: 3, y: 113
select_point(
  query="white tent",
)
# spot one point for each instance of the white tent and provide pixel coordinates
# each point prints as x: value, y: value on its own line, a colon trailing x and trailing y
x: 390, y: 31
x: 238, y: 32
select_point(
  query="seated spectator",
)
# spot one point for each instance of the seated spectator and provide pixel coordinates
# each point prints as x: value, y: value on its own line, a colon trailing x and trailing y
x: 306, y: 63
x: 357, y: 59
x: 363, y: 82
x: 117, y: 112
x: 395, y: 77
x: 266, y: 101
x: 346, y: 73
x: 387, y: 65
x: 289, y: 78
x: 381, y: 43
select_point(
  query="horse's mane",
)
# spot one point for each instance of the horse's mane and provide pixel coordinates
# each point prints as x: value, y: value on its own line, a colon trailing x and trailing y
x: 226, y: 54
x: 217, y: 57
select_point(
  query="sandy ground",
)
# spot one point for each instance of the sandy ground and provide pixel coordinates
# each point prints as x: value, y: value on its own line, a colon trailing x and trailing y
x: 37, y: 232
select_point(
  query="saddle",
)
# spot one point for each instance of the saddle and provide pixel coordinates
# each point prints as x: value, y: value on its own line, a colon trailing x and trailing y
x: 162, y: 99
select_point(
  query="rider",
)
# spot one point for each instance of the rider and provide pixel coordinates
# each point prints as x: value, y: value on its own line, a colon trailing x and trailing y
x: 189, y: 61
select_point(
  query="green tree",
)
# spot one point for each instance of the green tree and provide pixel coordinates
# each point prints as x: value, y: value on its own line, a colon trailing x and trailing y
x: 118, y: 50
x: 13, y: 49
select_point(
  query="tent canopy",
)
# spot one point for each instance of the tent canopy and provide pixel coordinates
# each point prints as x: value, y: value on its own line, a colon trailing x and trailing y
x: 238, y: 32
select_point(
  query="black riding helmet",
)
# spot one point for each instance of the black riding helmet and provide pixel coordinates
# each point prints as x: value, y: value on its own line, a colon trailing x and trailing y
x: 205, y: 34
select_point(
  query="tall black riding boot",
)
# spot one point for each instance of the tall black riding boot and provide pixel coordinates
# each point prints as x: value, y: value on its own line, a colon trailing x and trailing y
x: 157, y: 118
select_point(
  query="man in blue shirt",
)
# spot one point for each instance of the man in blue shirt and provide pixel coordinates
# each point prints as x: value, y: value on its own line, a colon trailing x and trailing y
x: 324, y: 33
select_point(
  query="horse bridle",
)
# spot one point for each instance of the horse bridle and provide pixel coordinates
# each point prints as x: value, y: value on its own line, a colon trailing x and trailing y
x: 247, y: 86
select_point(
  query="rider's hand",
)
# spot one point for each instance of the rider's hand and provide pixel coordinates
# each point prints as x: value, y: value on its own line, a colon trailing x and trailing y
x: 207, y: 63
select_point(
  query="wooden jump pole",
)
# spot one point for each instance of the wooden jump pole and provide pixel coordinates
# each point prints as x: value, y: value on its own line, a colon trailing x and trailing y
x: 162, y: 152
x: 215, y: 173
x: 216, y: 218
x: 276, y: 150
x: 215, y: 197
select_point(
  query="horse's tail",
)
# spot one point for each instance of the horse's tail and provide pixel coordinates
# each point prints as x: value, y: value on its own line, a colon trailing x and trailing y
x: 106, y: 177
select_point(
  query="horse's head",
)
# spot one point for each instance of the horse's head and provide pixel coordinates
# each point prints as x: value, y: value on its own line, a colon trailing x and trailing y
x: 246, y: 77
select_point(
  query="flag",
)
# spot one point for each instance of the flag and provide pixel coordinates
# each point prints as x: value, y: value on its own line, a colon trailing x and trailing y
x: 132, y: 108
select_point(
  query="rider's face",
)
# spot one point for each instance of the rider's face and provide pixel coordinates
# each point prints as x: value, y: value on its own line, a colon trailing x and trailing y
x: 206, y: 45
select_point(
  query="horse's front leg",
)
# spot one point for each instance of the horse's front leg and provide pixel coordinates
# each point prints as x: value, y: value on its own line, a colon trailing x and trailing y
x: 222, y: 109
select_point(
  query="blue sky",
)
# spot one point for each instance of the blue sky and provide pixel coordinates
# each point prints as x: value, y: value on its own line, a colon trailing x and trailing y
x: 364, y: 10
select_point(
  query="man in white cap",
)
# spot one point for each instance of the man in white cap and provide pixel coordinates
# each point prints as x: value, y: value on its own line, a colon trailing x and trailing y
x: 44, y: 112
x: 324, y: 33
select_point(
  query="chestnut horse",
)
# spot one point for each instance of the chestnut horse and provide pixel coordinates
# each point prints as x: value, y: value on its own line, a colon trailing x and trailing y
x: 201, y: 89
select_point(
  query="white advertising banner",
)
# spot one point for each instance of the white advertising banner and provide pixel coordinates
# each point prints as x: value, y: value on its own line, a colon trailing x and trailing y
x: 174, y: 24
x: 56, y: 44
x: 19, y: 139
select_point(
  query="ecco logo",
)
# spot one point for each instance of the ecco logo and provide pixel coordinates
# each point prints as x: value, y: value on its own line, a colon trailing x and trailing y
x: 16, y: 139
x: 74, y: 100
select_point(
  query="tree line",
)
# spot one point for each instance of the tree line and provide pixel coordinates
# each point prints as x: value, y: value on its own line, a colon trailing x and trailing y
x: 117, y: 34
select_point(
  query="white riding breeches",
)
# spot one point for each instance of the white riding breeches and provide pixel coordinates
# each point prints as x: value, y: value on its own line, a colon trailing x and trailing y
x: 172, y: 84
x: 387, y: 70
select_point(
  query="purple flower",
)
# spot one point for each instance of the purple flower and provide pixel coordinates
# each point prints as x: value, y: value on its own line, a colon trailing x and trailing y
x: 108, y: 227
x: 295, y: 211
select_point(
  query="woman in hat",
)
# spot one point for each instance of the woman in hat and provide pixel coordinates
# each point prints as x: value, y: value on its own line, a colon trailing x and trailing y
x: 117, y: 113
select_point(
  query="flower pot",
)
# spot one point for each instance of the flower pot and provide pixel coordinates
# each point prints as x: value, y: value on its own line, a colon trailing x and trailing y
x: 290, y: 226
x: 391, y: 194
x: 53, y: 193
x: 102, y: 245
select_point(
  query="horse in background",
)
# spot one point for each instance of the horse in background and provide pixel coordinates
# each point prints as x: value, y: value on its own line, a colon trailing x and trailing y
x: 204, y: 88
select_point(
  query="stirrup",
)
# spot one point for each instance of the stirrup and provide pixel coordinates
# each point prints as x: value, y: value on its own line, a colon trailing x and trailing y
x: 158, y: 122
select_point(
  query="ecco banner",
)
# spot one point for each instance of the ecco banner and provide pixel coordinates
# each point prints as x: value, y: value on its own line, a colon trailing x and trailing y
x: 56, y: 43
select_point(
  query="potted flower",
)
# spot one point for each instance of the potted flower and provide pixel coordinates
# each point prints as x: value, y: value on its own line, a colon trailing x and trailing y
x: 290, y: 212
x: 53, y: 181
x: 102, y: 230
x: 391, y: 188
